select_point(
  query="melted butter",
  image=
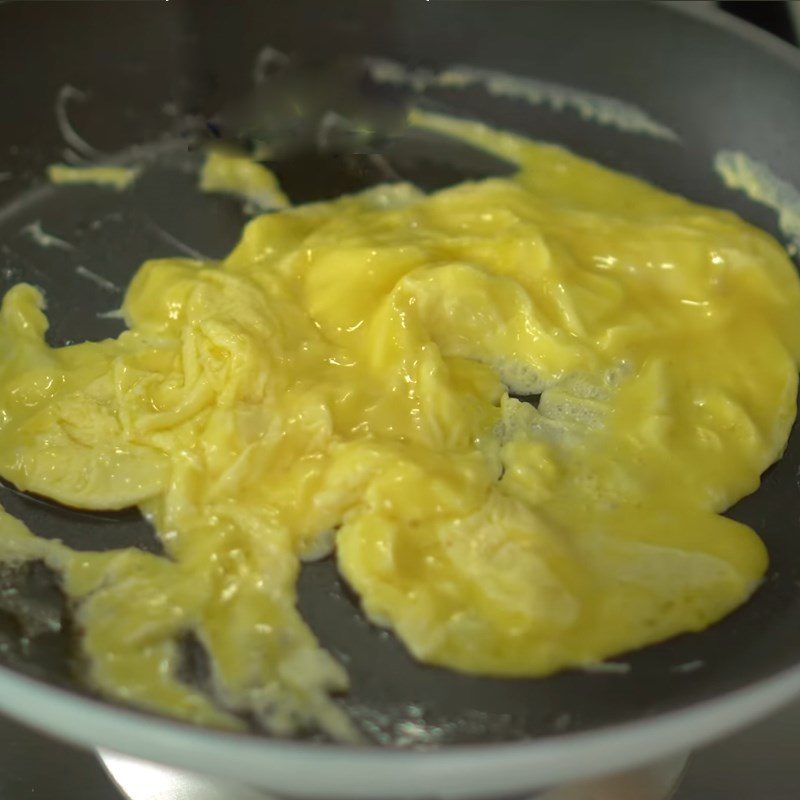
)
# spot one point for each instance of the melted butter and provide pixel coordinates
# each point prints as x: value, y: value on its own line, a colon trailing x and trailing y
x: 349, y: 367
x: 118, y: 178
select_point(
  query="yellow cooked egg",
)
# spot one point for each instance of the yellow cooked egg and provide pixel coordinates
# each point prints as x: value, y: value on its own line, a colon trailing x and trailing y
x: 348, y: 378
x: 113, y: 177
x: 229, y: 172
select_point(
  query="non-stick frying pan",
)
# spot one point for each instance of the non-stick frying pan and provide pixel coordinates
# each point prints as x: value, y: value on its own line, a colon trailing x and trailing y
x: 135, y: 69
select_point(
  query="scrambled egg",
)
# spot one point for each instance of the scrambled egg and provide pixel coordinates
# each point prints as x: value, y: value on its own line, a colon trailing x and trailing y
x: 229, y: 172
x: 118, y: 178
x: 348, y: 379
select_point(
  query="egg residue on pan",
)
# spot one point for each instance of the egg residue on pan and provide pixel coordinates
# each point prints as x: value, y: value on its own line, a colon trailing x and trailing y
x: 229, y: 172
x: 349, y: 379
x: 118, y: 178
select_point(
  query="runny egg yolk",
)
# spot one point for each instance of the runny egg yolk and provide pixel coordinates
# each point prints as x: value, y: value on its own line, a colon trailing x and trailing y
x: 349, y: 377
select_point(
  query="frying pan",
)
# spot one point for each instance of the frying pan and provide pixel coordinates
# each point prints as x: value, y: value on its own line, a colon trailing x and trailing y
x: 135, y: 69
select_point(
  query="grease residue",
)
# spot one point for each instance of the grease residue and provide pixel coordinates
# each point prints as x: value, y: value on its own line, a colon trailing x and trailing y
x: 607, y: 668
x: 115, y: 313
x: 266, y: 61
x: 96, y: 279
x: 72, y: 138
x: 44, y: 239
x: 761, y: 184
x: 592, y: 107
x: 689, y: 666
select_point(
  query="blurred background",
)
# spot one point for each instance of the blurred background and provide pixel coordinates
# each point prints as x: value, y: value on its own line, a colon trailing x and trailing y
x: 779, y: 18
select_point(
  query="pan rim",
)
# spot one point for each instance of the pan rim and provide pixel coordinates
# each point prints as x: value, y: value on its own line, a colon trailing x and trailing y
x: 463, y: 771
x: 738, y: 27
